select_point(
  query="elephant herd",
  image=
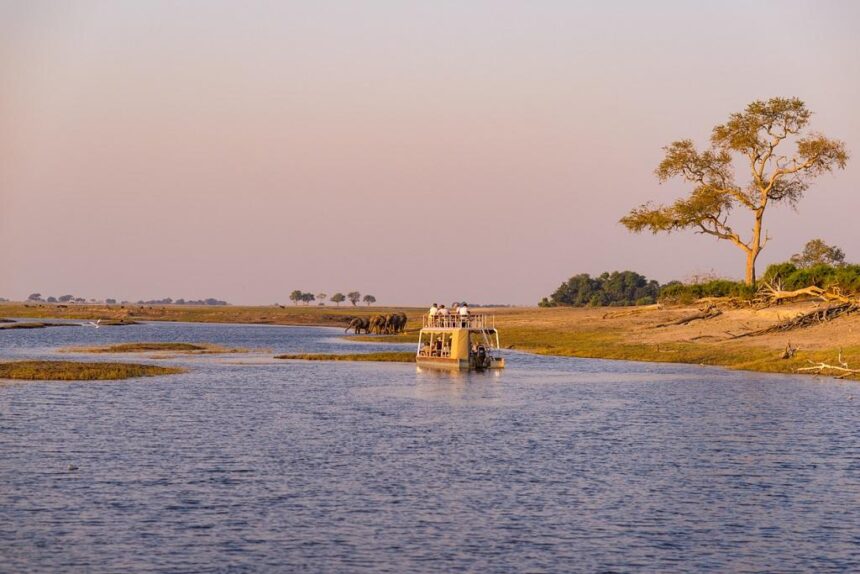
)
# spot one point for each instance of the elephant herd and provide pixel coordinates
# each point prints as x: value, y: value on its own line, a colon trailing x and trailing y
x: 379, y: 324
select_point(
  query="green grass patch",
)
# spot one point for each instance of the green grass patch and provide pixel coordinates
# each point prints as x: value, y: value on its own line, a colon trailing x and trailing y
x: 78, y: 371
x: 197, y: 348
x: 393, y: 357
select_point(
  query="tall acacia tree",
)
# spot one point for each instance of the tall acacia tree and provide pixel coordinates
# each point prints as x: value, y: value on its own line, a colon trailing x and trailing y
x: 758, y: 136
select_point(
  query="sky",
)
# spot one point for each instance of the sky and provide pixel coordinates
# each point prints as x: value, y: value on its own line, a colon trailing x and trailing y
x: 417, y: 151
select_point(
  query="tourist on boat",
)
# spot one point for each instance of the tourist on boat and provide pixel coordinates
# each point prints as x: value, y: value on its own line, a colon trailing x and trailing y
x: 442, y: 315
x: 463, y: 311
x: 434, y: 309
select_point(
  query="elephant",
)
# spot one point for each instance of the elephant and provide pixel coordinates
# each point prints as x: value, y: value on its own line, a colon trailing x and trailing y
x: 377, y: 324
x: 396, y: 323
x: 358, y: 324
x: 390, y: 321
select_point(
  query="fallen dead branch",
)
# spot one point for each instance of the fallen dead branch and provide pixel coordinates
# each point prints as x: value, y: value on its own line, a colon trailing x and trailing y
x: 730, y: 302
x: 773, y: 294
x: 815, y: 317
x: 708, y: 313
x: 840, y: 371
x: 634, y: 311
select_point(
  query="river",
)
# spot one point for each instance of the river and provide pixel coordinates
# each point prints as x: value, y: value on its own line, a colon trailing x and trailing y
x: 250, y: 464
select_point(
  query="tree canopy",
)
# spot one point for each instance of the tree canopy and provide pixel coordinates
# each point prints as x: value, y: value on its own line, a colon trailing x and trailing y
x: 757, y: 136
x: 616, y: 288
x: 816, y: 252
x: 306, y: 298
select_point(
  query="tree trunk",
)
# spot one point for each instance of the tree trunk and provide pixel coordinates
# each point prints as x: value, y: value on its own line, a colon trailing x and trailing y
x: 750, y: 275
x: 754, y: 248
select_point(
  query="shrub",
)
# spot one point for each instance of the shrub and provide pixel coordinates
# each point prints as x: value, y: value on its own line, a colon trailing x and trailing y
x: 791, y: 277
x: 677, y: 292
x: 614, y: 289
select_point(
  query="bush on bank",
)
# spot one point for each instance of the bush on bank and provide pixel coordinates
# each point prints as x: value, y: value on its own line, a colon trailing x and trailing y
x: 790, y: 276
x: 617, y: 288
x: 686, y: 293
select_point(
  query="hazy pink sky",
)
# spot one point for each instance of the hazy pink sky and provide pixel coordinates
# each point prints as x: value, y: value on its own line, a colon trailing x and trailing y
x: 432, y: 151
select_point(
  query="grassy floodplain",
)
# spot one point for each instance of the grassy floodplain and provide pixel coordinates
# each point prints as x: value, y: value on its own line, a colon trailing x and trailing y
x: 78, y: 371
x: 574, y: 332
x: 321, y: 316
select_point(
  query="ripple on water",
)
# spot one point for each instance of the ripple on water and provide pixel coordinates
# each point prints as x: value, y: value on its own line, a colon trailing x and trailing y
x: 553, y: 465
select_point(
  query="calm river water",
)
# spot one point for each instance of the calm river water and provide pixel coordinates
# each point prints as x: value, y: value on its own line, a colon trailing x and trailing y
x: 250, y: 464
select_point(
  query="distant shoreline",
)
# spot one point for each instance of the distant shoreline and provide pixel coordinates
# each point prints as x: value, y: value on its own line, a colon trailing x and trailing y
x: 599, y: 333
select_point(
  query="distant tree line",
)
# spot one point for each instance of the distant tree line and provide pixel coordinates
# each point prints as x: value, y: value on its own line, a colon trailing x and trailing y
x: 37, y: 297
x: 818, y: 264
x: 299, y: 296
x: 180, y: 301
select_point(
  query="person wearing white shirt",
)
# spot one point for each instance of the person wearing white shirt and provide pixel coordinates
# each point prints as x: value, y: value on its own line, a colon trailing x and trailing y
x: 463, y: 311
x: 434, y: 310
x: 442, y: 315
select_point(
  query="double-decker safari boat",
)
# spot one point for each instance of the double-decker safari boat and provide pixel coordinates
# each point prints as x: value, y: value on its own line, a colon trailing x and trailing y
x: 459, y: 343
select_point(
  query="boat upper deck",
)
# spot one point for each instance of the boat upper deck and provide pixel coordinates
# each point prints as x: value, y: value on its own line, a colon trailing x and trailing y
x: 457, y: 322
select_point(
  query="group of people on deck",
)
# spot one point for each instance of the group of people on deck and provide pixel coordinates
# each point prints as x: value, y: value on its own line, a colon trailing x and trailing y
x: 439, y: 314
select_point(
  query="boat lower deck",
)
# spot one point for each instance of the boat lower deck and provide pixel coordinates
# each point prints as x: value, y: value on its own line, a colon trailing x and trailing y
x: 456, y: 364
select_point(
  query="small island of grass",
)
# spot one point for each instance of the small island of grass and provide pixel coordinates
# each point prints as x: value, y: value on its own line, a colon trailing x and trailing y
x: 146, y: 347
x: 32, y: 324
x: 390, y: 357
x: 78, y: 371
x: 117, y: 322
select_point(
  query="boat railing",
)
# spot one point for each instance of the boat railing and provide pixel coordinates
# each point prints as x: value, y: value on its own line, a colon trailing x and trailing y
x: 458, y: 322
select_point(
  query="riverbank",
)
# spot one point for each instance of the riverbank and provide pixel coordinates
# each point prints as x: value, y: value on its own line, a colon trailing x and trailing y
x: 605, y: 333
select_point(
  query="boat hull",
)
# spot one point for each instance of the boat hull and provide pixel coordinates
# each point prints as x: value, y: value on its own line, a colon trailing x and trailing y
x: 449, y: 364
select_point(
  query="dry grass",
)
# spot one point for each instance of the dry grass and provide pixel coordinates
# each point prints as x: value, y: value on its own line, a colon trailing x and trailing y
x: 189, y: 348
x: 393, y: 357
x: 325, y: 316
x: 78, y: 371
